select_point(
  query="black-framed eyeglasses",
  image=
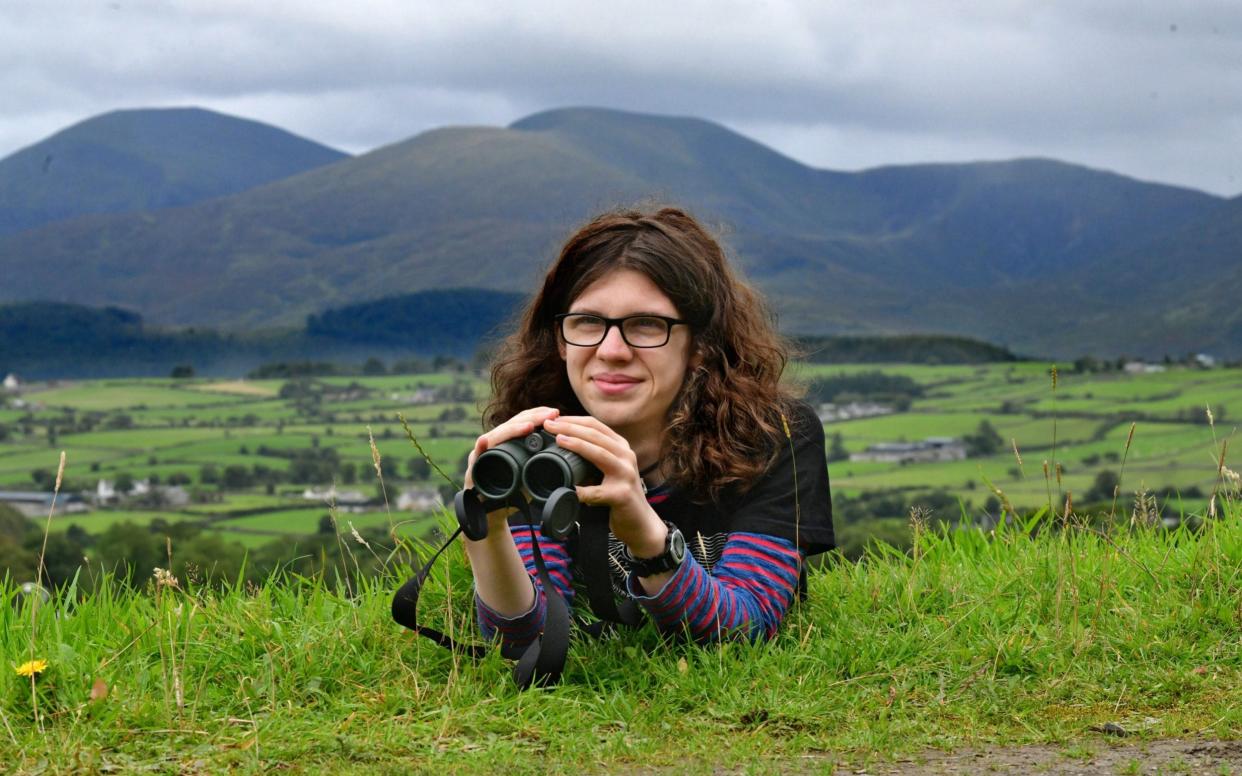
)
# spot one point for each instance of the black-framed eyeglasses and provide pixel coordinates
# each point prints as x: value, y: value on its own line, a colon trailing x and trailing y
x: 638, y: 331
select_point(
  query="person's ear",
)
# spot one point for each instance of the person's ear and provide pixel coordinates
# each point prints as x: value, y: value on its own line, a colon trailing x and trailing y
x: 560, y: 348
x: 696, y: 359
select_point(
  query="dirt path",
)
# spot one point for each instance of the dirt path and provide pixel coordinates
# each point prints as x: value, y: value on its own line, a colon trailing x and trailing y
x: 1170, y: 756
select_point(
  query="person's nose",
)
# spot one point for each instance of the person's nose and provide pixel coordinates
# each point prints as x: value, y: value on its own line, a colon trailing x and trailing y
x: 614, y: 346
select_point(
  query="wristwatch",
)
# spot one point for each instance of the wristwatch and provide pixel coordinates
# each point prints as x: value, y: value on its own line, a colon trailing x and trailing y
x: 669, y: 560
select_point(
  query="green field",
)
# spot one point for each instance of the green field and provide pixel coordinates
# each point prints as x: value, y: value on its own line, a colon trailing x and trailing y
x: 970, y: 641
x: 189, y: 431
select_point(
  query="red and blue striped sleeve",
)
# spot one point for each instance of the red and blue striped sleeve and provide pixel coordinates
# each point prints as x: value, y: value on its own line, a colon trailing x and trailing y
x: 746, y: 595
x: 525, y: 628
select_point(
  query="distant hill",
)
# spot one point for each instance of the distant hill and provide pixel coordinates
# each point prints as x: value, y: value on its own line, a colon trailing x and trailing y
x: 1036, y: 255
x: 55, y: 339
x: 440, y: 321
x: 134, y: 160
x: 41, y: 340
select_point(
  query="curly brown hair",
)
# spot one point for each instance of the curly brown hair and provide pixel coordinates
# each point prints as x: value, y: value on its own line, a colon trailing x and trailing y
x: 723, y: 426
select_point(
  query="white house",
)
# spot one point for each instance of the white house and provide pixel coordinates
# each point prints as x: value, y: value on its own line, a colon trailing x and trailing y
x: 345, y: 500
x: 12, y: 384
x: 830, y: 413
x: 418, y: 500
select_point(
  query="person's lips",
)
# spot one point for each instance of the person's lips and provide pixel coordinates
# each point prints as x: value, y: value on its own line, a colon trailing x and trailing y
x: 612, y: 384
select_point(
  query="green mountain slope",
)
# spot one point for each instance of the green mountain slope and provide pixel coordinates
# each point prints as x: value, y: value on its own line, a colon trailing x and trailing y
x: 146, y: 159
x: 1028, y: 253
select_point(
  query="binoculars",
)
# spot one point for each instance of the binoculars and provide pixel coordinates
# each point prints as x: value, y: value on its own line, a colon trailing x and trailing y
x: 547, y: 472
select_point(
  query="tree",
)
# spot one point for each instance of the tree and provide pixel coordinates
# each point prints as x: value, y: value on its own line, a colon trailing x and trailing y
x: 1106, y: 484
x: 349, y: 473
x: 418, y: 468
x: 16, y: 561
x: 124, y: 483
x: 985, y: 440
x: 14, y: 524
x: 130, y: 550
x: 182, y: 372
x: 61, y: 559
x: 236, y: 477
x: 374, y: 366
x: 836, y: 450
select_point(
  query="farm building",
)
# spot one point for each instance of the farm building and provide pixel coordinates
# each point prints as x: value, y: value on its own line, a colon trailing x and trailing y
x: 36, y: 503
x: 930, y: 449
x: 829, y: 412
x: 418, y: 500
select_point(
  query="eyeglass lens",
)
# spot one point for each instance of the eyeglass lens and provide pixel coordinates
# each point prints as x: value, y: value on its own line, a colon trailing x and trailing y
x: 638, y: 331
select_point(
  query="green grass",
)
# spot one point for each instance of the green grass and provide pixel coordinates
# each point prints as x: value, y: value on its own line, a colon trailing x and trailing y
x: 99, y: 521
x: 970, y: 640
x: 114, y: 394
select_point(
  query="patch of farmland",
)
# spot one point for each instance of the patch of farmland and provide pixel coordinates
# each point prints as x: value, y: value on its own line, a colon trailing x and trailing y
x: 235, y: 387
x: 116, y: 395
x: 98, y: 521
x: 405, y: 382
x: 147, y: 439
x: 262, y: 411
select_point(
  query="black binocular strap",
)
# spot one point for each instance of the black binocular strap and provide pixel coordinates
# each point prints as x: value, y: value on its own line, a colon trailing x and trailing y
x: 541, y: 663
x: 593, y: 558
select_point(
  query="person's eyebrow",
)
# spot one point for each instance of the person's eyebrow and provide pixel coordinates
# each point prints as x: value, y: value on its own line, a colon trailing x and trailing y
x: 591, y: 311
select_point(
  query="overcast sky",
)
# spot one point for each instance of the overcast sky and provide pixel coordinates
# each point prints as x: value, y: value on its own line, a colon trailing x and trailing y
x: 1148, y: 89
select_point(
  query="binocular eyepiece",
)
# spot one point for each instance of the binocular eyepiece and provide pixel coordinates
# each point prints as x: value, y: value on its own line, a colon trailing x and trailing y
x: 546, y: 471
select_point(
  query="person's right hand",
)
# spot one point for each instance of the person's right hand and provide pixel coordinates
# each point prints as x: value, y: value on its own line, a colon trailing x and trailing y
x: 517, y: 426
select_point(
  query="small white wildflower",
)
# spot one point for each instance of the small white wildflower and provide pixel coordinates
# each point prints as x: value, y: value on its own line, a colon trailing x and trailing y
x: 165, y: 578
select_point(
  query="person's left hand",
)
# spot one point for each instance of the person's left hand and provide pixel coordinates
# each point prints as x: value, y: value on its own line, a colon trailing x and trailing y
x: 631, y: 518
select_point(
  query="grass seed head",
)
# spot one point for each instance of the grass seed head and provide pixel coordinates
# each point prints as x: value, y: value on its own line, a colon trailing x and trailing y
x: 60, y: 471
x: 375, y: 454
x: 1146, y: 512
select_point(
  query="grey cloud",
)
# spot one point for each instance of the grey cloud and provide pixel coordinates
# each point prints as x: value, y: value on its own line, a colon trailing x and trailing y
x: 1100, y: 82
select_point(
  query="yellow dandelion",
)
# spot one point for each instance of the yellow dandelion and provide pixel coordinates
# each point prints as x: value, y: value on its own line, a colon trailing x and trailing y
x: 31, y: 668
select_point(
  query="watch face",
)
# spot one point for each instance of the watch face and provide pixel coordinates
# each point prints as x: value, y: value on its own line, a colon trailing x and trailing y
x: 677, y: 547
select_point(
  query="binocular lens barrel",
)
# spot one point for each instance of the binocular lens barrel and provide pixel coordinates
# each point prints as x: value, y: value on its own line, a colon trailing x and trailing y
x: 498, y: 472
x: 553, y: 468
x: 535, y: 462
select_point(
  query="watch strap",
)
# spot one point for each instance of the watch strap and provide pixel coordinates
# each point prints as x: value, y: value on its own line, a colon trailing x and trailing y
x: 668, y: 560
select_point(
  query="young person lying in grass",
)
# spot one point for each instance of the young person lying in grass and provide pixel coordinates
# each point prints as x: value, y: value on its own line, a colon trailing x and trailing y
x: 645, y: 354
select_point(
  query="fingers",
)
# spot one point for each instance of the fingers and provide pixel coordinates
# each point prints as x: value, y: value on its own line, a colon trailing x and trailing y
x: 597, y: 443
x: 520, y: 424
x: 590, y: 430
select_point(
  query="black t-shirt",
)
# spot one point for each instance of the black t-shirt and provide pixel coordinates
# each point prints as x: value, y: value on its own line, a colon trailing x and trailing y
x: 769, y: 506
x: 790, y: 500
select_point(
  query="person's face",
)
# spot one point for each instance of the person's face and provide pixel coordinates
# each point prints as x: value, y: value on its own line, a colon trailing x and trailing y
x: 629, y: 389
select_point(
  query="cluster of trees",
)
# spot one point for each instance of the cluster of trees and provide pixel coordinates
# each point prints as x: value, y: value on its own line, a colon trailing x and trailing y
x: 130, y: 553
x: 424, y: 333
x: 896, y: 390
x: 904, y: 349
x: 444, y: 320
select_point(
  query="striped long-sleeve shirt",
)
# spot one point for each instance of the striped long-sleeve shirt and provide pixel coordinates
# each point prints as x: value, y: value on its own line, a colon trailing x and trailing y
x: 745, y: 595
x: 745, y: 549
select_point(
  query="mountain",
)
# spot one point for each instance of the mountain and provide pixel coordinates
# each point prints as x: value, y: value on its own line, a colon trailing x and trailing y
x: 1034, y: 254
x: 134, y: 160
